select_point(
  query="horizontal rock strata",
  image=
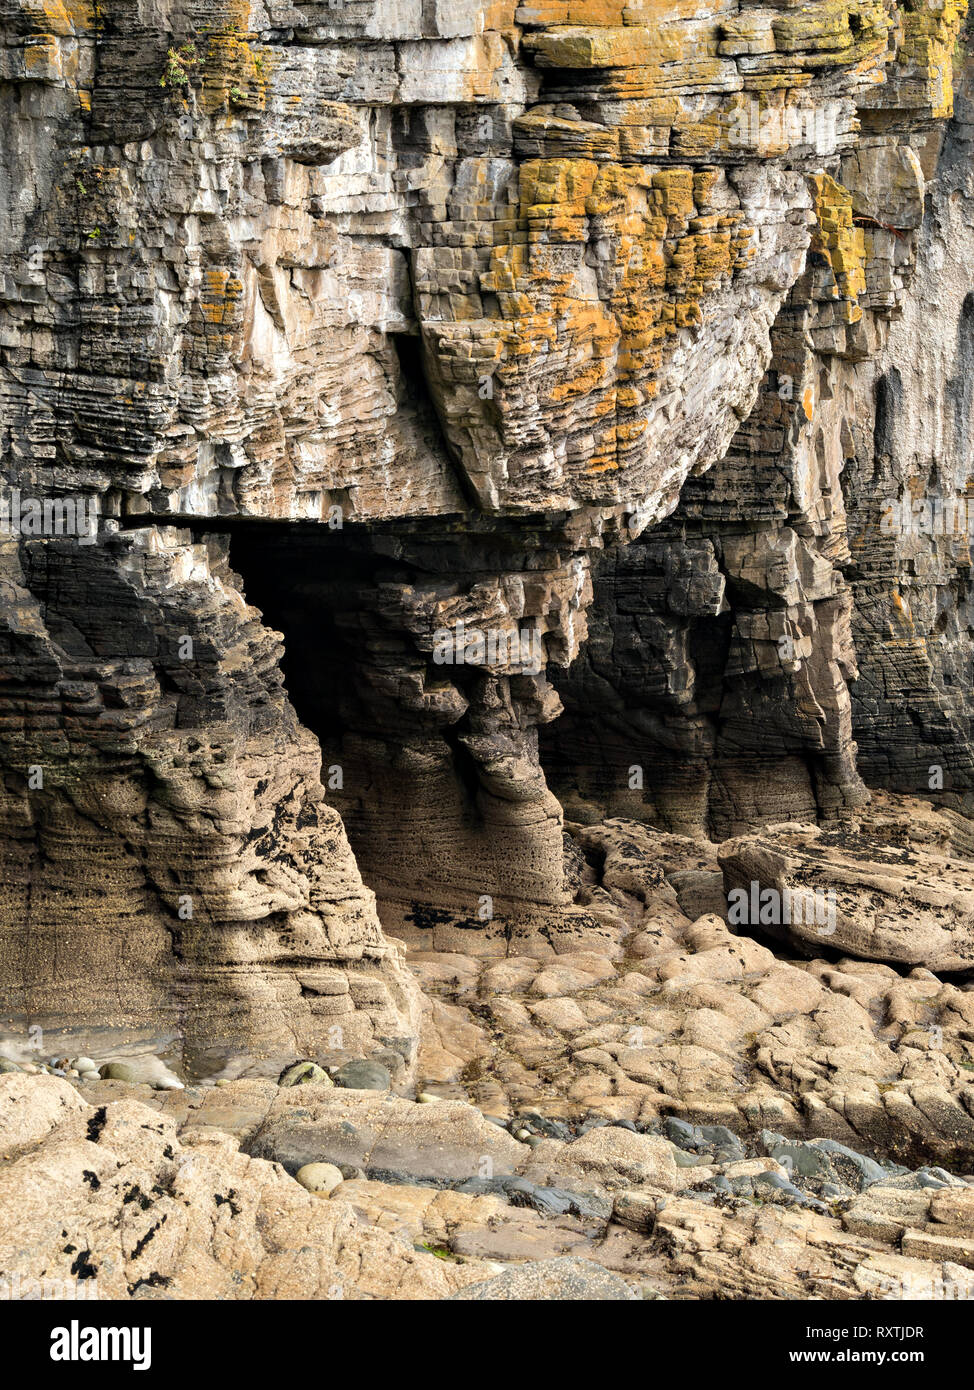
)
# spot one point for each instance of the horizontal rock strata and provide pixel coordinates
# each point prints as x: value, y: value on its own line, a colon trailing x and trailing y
x: 484, y: 538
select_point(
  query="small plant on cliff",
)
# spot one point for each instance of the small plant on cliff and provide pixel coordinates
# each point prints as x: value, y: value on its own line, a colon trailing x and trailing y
x: 178, y: 62
x: 442, y: 1252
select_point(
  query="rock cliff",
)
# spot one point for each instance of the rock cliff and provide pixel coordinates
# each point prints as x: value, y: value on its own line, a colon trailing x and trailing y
x: 554, y: 377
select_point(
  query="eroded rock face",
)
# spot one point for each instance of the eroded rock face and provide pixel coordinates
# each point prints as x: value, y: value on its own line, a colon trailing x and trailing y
x: 425, y: 327
x: 177, y: 874
x: 800, y: 624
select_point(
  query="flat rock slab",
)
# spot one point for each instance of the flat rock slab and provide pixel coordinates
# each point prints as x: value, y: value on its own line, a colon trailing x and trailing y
x: 609, y: 1156
x: 566, y: 1278
x: 449, y: 1140
x: 851, y: 892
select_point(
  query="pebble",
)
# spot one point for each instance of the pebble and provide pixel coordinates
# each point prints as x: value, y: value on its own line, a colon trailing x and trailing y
x: 681, y: 1134
x: 427, y: 1098
x: 83, y: 1064
x: 540, y: 1124
x: 304, y: 1074
x: 119, y: 1071
x: 167, y: 1083
x: 142, y: 1072
x: 320, y: 1178
x: 362, y: 1075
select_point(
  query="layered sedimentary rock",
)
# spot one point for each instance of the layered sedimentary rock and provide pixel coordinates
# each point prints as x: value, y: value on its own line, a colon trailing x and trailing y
x: 402, y: 321
x: 803, y: 613
x: 170, y: 868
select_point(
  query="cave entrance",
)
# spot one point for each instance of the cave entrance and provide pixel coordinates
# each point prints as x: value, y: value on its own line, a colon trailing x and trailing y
x: 435, y: 817
x: 343, y: 664
x: 306, y: 581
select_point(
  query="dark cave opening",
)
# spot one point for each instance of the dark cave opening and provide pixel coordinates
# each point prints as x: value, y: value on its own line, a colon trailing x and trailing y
x: 643, y: 701
x: 305, y: 582
x: 432, y: 768
x: 322, y: 588
x: 391, y: 724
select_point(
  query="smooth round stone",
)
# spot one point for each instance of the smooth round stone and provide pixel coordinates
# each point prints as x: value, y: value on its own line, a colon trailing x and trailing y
x: 427, y: 1098
x: 305, y: 1074
x: 361, y: 1075
x: 7, y: 1066
x: 142, y: 1071
x: 120, y: 1071
x: 83, y: 1064
x: 320, y: 1178
x: 90, y: 1076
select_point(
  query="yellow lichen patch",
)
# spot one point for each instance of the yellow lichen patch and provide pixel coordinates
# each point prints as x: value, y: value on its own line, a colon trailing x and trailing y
x: 925, y: 57
x: 602, y: 12
x: 219, y: 309
x: 622, y: 47
x: 836, y: 237
x: 234, y: 72
x: 42, y: 59
x: 599, y: 352
x: 61, y: 18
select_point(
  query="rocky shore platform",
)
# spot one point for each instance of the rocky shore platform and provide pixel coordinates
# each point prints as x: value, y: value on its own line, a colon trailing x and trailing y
x: 627, y: 1099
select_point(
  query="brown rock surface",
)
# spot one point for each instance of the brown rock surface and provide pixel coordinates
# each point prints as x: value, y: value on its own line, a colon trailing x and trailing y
x: 563, y: 380
x: 112, y: 1194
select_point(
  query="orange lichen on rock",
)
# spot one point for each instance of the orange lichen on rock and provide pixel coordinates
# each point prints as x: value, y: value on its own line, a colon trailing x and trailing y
x: 658, y: 258
x: 837, y: 238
